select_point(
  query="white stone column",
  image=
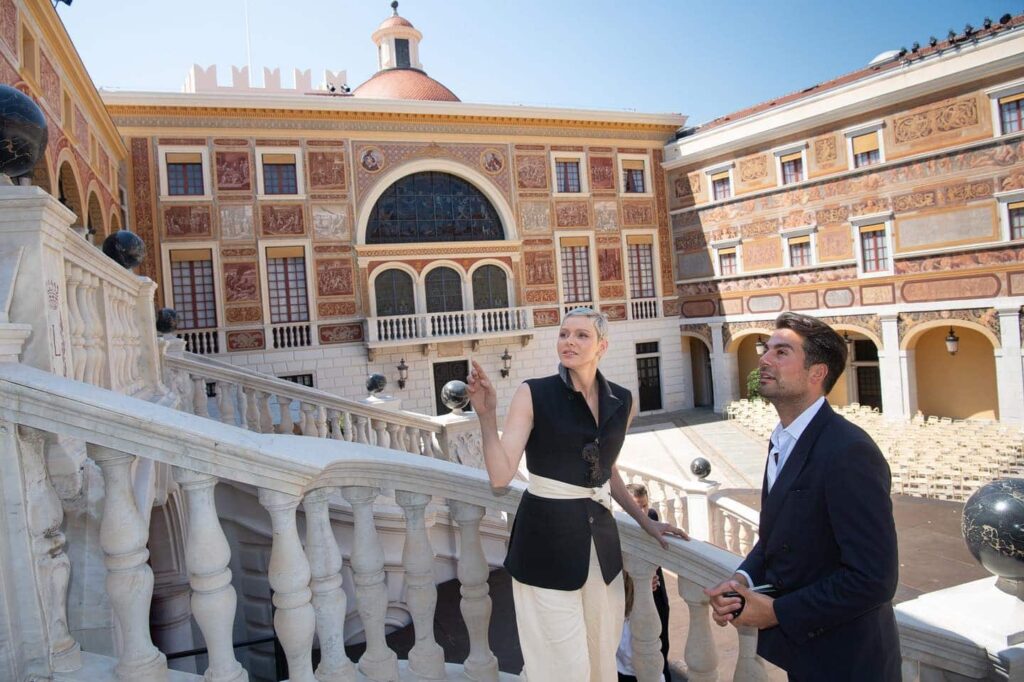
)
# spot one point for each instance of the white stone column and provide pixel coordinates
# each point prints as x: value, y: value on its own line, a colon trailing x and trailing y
x: 892, y: 370
x: 719, y: 370
x: 207, y: 555
x: 1009, y: 367
x: 476, y: 601
x: 426, y: 659
x: 123, y: 536
x: 686, y: 361
x: 294, y: 621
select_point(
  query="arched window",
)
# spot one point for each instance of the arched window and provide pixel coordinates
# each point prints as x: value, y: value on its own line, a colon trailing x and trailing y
x: 444, y: 291
x: 432, y: 207
x: 394, y: 293
x: 490, y: 288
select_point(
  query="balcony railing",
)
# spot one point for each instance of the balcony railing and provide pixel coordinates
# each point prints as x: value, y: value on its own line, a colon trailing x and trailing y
x: 200, y: 341
x: 644, y: 309
x: 290, y: 335
x: 396, y: 329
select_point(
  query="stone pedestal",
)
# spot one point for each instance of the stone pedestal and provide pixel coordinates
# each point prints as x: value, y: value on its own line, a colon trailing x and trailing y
x: 975, y: 630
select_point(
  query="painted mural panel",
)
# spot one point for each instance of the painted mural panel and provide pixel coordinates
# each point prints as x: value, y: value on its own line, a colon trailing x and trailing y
x: 334, y: 277
x: 326, y: 170
x: 236, y: 222
x: 606, y: 216
x: 947, y: 228
x: 331, y: 221
x: 233, y: 171
x: 279, y: 220
x: 952, y: 288
x: 834, y: 243
x: 187, y: 222
x: 950, y: 121
x: 241, y: 282
x: 762, y: 254
x: 693, y: 265
x: 637, y: 213
x: 531, y: 171
x: 535, y: 217
x: 250, y: 339
x: 572, y: 214
x: 602, y: 173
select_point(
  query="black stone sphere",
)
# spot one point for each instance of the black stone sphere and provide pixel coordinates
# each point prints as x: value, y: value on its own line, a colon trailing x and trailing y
x: 700, y: 467
x: 375, y: 383
x: 167, y: 320
x: 23, y: 132
x: 126, y: 248
x: 455, y: 394
x: 993, y: 527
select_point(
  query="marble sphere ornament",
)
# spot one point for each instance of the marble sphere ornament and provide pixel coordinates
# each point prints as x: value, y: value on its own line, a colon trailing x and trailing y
x: 993, y: 527
x: 455, y: 395
x: 23, y: 132
x: 167, y: 320
x: 700, y: 467
x: 126, y: 248
x: 375, y: 383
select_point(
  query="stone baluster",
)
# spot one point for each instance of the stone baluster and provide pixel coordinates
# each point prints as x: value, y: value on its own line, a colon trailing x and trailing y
x: 252, y: 409
x: 86, y: 310
x: 743, y: 535
x: 378, y: 662
x: 199, y: 401
x: 225, y: 401
x: 749, y: 668
x: 321, y: 422
x: 242, y: 406
x: 308, y: 423
x: 334, y: 420
x: 284, y: 406
x: 644, y: 622
x: 348, y: 429
x: 729, y: 532
x: 362, y: 432
x: 207, y: 555
x: 265, y: 418
x: 294, y: 621
x: 99, y: 346
x: 329, y: 601
x: 381, y: 431
x: 476, y: 601
x: 412, y: 440
x: 113, y: 330
x: 78, y: 352
x: 700, y: 654
x: 426, y: 659
x: 123, y: 537
x: 396, y: 436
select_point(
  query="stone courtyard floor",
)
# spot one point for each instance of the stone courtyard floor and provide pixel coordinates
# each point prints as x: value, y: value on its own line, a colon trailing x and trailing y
x: 932, y: 551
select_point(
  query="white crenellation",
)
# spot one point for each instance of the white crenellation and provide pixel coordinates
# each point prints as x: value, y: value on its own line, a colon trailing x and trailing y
x: 204, y: 80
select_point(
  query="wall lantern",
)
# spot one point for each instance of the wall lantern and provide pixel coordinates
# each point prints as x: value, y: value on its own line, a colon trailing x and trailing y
x: 760, y: 346
x: 403, y: 373
x: 506, y: 363
x: 952, y: 342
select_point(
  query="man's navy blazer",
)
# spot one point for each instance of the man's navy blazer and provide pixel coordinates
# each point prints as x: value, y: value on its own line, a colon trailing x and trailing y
x: 828, y: 543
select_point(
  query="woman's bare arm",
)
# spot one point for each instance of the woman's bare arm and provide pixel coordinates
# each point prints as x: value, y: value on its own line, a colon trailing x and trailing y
x: 501, y: 454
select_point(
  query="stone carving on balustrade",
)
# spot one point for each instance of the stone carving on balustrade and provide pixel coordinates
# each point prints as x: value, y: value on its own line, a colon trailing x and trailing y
x: 870, y: 322
x: 703, y: 331
x: 466, y: 447
x: 45, y: 516
x: 986, y: 317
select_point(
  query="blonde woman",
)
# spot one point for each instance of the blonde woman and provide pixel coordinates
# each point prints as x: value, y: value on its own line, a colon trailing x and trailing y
x: 564, y: 554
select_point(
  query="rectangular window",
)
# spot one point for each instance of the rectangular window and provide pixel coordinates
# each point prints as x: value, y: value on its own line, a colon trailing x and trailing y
x: 286, y: 284
x: 279, y: 175
x: 633, y: 176
x: 192, y: 288
x: 873, y: 248
x: 300, y: 379
x: 865, y: 150
x: 727, y: 264
x: 1016, y: 211
x: 185, y: 174
x: 721, y: 187
x: 647, y: 347
x: 28, y: 54
x: 402, y: 53
x: 792, y: 168
x: 576, y: 270
x: 799, y: 251
x: 567, y: 176
x: 641, y: 266
x: 1011, y: 113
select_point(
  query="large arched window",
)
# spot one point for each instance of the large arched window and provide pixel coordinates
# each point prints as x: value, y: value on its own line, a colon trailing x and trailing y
x: 432, y: 207
x: 394, y: 293
x: 444, y: 291
x: 490, y: 288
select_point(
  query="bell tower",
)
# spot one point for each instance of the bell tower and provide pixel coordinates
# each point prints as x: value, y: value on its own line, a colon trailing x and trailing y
x: 398, y: 43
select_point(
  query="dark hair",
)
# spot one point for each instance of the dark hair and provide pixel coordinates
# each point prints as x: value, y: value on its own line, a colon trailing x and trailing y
x: 821, y: 343
x: 637, y: 489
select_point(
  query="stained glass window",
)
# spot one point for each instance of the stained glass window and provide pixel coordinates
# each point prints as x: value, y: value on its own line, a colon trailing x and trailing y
x: 444, y: 291
x: 490, y: 288
x: 394, y: 293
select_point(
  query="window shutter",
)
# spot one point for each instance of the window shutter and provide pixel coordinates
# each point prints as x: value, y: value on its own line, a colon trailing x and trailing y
x: 864, y: 144
x: 182, y: 157
x: 795, y: 156
x: 181, y: 255
x: 285, y: 252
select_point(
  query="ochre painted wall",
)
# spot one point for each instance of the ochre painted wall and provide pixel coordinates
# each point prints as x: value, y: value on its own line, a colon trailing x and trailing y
x: 837, y: 396
x: 962, y: 386
x: 746, y: 356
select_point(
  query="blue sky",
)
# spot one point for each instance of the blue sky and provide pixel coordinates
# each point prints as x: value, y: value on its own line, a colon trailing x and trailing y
x: 702, y: 59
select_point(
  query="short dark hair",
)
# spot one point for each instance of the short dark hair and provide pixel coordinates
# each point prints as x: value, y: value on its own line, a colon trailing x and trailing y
x: 637, y: 489
x: 821, y: 343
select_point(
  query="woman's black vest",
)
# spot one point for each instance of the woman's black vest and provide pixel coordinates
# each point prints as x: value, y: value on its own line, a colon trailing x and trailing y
x: 550, y: 542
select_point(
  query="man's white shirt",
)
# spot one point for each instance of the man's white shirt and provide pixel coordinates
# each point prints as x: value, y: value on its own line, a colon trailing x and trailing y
x: 782, y: 442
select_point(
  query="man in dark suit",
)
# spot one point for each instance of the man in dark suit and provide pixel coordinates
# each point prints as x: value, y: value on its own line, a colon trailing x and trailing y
x: 827, y: 537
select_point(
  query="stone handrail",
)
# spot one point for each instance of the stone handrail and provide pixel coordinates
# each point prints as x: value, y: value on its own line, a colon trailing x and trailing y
x: 306, y: 582
x: 452, y: 324
x: 734, y: 525
x: 243, y: 399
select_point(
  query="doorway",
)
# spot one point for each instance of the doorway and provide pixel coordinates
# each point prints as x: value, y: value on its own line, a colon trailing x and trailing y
x: 445, y: 372
x: 648, y: 374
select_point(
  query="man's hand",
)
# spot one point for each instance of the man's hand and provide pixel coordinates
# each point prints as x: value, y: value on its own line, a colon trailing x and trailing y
x: 722, y: 607
x: 759, y: 611
x: 482, y: 395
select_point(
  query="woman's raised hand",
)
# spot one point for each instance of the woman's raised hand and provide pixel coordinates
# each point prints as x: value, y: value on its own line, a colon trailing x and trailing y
x: 482, y: 395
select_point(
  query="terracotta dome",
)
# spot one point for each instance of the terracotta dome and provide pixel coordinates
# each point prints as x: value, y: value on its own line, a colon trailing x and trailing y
x: 395, y: 21
x: 404, y: 84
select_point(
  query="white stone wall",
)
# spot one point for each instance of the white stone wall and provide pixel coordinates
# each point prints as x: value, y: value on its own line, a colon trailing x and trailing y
x: 343, y: 369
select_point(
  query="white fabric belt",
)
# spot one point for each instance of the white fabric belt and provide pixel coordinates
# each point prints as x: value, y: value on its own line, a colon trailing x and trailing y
x: 559, y: 490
